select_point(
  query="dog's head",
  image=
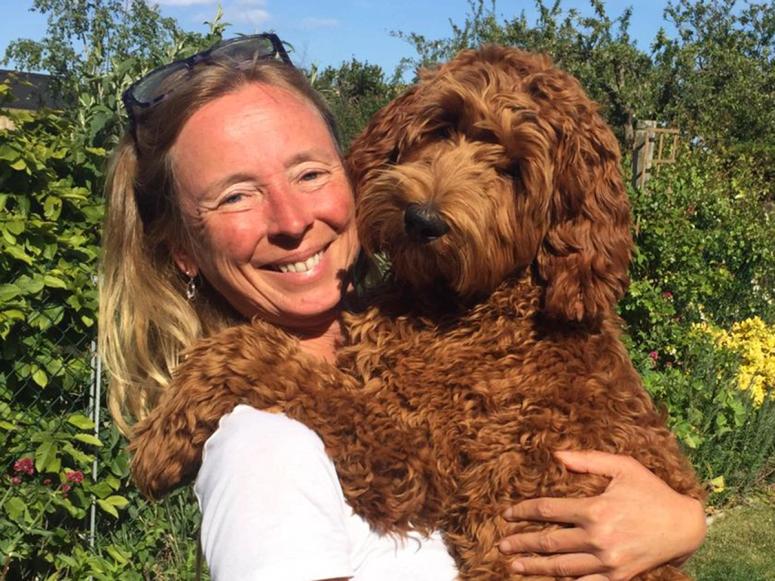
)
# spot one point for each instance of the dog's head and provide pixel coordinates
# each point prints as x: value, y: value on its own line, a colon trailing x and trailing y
x: 496, y: 162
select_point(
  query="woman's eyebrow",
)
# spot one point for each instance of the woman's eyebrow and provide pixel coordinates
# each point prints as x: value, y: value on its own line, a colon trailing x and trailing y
x: 308, y: 155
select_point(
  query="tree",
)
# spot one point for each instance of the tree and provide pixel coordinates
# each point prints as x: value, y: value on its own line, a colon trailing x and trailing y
x: 355, y: 91
x: 717, y: 77
x: 715, y: 80
x: 95, y: 48
x: 85, y: 38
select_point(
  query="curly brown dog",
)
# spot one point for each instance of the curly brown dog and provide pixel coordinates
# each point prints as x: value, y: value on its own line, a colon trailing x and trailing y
x: 494, y: 187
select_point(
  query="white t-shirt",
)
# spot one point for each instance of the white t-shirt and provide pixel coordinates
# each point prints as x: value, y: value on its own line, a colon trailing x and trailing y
x: 272, y: 508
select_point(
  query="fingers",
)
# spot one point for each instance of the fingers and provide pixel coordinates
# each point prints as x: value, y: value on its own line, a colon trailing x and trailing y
x: 595, y: 462
x: 556, y: 510
x: 573, y: 540
x: 575, y: 565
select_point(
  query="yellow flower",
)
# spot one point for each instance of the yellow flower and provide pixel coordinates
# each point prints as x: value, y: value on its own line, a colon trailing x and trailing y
x: 754, y: 340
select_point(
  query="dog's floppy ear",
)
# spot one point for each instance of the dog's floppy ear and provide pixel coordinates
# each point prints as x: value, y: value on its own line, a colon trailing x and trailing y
x: 585, y: 254
x: 381, y: 142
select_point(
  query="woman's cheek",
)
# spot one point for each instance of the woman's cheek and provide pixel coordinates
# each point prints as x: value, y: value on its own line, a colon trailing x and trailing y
x: 237, y: 234
x: 341, y: 207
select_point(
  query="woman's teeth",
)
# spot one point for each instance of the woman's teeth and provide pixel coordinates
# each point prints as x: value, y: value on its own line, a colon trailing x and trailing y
x: 308, y: 264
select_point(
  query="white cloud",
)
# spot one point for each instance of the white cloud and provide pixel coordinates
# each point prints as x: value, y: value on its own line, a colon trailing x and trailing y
x: 254, y: 16
x: 313, y: 23
x: 251, y: 2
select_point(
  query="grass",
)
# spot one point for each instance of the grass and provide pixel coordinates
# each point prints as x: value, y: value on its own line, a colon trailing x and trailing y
x: 740, y: 545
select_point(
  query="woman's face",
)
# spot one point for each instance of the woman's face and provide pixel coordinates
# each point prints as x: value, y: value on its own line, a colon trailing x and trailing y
x: 266, y: 198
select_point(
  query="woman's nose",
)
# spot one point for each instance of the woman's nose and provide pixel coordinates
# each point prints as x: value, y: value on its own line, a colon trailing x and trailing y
x: 291, y: 215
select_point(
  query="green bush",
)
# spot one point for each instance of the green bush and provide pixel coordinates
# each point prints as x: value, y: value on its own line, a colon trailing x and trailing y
x: 705, y: 254
x: 355, y: 92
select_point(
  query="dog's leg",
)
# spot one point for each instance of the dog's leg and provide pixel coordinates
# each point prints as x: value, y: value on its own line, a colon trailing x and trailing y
x: 384, y: 468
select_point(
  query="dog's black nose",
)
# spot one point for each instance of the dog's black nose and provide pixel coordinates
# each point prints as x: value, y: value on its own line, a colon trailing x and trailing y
x: 423, y: 223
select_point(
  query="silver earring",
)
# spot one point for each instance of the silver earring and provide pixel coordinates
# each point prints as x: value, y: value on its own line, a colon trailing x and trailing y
x: 191, y: 287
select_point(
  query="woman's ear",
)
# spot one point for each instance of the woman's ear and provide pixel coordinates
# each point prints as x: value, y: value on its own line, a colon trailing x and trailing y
x: 185, y: 262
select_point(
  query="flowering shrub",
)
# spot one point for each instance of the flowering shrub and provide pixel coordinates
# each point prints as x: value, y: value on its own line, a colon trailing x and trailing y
x: 705, y: 260
x: 754, y: 341
x: 49, y: 227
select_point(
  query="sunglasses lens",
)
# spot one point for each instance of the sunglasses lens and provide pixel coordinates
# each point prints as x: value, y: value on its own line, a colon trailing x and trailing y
x: 158, y: 83
x: 245, y: 49
x: 161, y: 82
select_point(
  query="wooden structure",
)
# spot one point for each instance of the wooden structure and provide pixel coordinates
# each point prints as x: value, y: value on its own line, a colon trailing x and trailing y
x: 653, y: 146
x: 29, y: 91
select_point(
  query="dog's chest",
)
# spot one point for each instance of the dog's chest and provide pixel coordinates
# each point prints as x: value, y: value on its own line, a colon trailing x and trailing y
x: 466, y: 366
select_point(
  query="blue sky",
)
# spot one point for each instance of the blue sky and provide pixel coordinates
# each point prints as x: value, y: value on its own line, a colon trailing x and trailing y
x: 327, y: 33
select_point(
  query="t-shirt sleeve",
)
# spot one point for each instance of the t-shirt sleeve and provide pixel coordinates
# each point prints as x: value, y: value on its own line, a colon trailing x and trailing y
x: 272, y: 506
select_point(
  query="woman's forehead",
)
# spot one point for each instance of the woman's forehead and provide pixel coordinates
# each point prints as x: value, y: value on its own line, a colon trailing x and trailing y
x: 259, y: 130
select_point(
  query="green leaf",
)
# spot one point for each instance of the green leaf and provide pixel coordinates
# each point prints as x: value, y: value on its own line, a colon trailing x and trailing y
x: 47, y: 457
x: 52, y: 207
x: 67, y: 560
x: 39, y: 376
x: 16, y: 226
x: 8, y: 292
x: 8, y: 237
x: 69, y: 506
x: 30, y: 285
x: 81, y: 422
x: 54, y: 282
x: 80, y: 458
x: 120, y: 557
x: 19, y: 165
x: 107, y: 507
x: 100, y: 489
x: 8, y: 153
x: 18, y: 253
x: 117, y: 501
x: 15, y: 508
x: 88, y: 439
x: 120, y: 465
x: 112, y: 481
x: 8, y: 426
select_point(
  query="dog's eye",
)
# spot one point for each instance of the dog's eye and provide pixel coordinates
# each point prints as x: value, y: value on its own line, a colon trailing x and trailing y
x: 510, y: 171
x: 393, y: 157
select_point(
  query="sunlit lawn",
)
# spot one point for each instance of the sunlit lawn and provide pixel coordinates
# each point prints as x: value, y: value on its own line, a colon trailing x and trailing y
x: 740, y: 545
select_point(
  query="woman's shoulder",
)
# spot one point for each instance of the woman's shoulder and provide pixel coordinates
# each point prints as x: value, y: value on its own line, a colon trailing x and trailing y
x: 249, y: 430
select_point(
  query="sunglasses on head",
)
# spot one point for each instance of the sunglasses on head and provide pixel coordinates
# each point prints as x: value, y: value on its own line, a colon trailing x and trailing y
x: 161, y: 82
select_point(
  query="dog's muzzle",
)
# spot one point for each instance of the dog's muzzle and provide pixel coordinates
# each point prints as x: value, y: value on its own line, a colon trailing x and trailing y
x: 423, y: 223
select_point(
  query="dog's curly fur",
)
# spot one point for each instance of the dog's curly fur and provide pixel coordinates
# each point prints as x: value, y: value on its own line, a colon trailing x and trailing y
x: 494, y: 345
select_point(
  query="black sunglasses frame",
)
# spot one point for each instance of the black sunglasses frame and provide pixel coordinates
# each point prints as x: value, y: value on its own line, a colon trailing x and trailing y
x: 134, y: 105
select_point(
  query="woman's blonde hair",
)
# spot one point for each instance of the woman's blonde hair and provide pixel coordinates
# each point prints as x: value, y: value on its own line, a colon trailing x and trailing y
x: 145, y: 319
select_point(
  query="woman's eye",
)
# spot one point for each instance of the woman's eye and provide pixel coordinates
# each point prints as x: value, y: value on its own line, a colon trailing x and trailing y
x: 311, y: 176
x: 233, y: 198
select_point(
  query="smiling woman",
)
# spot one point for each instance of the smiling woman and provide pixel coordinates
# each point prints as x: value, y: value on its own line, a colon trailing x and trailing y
x: 273, y: 221
x: 228, y: 200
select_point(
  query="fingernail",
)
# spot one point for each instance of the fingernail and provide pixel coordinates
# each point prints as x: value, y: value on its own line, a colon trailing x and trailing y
x: 508, y: 513
x: 504, y: 546
x: 517, y: 566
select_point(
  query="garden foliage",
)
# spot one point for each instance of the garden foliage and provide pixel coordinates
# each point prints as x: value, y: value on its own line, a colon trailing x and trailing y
x: 700, y: 313
x: 50, y: 219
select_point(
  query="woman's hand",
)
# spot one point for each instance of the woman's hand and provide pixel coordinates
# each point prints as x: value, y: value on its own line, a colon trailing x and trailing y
x: 637, y: 524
